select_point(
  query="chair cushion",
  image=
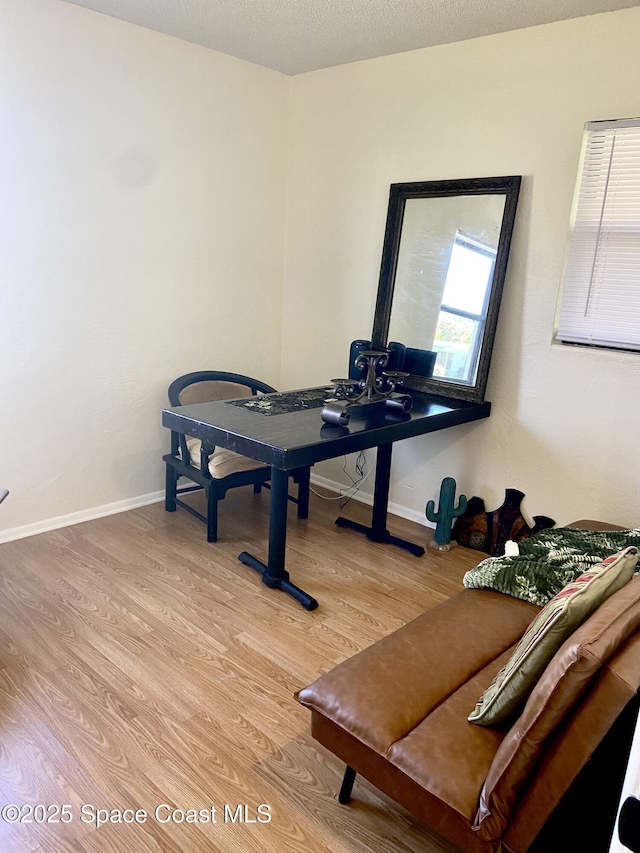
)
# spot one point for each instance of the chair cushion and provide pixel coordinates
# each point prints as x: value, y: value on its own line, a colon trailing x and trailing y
x: 551, y: 627
x: 568, y: 675
x: 221, y: 462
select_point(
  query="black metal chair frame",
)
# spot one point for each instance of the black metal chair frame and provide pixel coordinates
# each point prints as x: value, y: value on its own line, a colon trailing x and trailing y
x: 178, y: 462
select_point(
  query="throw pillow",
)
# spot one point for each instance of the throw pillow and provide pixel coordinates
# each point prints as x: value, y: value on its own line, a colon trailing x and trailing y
x: 556, y: 621
x: 595, y: 660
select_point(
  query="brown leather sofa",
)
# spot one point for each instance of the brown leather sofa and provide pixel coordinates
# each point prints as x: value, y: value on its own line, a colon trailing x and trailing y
x: 396, y: 713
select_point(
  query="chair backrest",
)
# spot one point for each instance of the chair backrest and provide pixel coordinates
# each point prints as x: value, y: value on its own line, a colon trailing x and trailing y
x: 207, y: 386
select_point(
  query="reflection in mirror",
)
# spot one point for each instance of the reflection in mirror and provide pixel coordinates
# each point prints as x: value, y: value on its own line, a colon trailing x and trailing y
x: 443, y: 266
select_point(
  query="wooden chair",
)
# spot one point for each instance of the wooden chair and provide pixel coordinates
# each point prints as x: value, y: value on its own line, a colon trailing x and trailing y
x: 215, y: 469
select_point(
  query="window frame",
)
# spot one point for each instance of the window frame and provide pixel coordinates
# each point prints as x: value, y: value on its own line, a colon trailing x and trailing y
x: 479, y: 320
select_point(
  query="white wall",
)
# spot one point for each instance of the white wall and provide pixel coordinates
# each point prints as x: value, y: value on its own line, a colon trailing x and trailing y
x: 142, y: 213
x: 143, y: 199
x: 564, y: 427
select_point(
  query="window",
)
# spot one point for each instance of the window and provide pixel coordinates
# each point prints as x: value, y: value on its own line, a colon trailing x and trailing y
x: 601, y: 297
x: 464, y: 309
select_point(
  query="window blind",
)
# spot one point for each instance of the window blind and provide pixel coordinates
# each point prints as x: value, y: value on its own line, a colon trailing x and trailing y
x: 601, y: 296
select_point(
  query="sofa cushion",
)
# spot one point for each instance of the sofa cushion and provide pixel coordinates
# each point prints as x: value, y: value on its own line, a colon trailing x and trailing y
x: 554, y: 623
x: 446, y: 755
x: 385, y: 691
x: 563, y: 682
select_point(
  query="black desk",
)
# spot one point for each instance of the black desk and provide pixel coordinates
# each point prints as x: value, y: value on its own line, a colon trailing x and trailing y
x: 298, y: 439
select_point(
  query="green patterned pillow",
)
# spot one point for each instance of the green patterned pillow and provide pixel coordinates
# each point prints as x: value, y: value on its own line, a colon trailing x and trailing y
x: 556, y: 621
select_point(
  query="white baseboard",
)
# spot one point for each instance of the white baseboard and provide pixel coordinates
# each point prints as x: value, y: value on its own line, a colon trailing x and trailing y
x: 363, y: 497
x: 154, y: 497
x: 77, y: 517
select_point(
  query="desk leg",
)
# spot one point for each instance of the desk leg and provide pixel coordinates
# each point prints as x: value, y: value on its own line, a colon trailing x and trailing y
x: 378, y: 531
x: 274, y: 574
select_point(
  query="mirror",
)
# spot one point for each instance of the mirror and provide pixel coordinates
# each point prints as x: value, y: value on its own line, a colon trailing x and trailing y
x: 444, y: 260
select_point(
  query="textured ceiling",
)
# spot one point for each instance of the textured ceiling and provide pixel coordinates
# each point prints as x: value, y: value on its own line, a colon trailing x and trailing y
x: 294, y: 36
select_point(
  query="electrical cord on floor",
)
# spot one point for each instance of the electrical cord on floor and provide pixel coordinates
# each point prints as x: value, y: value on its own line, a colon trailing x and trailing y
x: 348, y: 492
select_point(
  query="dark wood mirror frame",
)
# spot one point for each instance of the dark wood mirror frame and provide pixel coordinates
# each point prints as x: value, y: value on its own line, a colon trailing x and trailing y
x: 399, y: 194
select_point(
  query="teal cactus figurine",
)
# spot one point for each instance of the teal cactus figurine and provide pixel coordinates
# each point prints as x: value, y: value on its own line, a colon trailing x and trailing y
x: 445, y: 514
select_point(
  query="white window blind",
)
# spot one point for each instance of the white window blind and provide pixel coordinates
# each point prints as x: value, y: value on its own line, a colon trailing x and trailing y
x: 601, y: 296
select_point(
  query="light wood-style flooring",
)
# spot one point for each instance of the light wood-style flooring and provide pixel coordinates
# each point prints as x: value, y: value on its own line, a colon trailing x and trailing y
x: 141, y: 666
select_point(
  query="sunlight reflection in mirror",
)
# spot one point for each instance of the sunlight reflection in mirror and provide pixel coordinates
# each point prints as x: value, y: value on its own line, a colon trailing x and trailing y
x: 445, y: 267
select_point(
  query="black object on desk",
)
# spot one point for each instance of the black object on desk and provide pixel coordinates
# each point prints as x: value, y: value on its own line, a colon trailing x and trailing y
x: 297, y: 439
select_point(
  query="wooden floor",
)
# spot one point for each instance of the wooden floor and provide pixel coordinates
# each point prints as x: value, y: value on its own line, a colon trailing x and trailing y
x: 141, y: 666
